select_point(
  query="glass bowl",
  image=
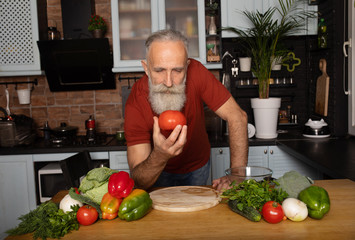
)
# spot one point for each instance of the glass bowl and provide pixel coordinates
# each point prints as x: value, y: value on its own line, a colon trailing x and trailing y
x: 239, y: 174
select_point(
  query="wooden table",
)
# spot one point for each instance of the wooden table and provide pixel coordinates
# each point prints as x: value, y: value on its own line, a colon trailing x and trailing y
x: 220, y: 222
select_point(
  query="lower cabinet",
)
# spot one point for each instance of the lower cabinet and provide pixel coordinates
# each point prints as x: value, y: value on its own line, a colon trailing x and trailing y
x: 220, y: 161
x: 118, y: 161
x: 266, y: 156
x: 17, y: 190
x: 281, y: 162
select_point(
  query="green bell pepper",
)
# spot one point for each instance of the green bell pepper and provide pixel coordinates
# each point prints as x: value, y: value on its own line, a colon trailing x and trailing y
x: 317, y: 201
x: 135, y: 206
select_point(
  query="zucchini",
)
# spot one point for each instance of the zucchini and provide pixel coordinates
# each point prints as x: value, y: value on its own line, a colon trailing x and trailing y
x: 248, y: 212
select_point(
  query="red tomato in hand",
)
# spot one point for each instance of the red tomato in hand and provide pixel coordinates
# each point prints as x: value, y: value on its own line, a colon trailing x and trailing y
x: 87, y: 215
x: 169, y: 119
x: 272, y: 212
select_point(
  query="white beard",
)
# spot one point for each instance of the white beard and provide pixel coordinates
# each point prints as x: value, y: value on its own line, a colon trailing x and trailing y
x: 164, y: 98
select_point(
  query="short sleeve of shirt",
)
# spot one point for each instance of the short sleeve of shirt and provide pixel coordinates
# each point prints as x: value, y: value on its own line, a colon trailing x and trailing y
x: 212, y: 91
x: 138, y: 115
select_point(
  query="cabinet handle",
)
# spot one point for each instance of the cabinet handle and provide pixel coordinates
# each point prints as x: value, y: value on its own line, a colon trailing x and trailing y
x: 265, y: 151
x: 271, y: 152
x: 220, y: 151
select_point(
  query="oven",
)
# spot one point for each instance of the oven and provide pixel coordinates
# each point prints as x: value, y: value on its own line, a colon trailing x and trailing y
x: 50, y: 181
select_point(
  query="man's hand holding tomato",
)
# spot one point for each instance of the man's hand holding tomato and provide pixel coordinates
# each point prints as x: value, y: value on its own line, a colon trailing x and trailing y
x: 169, y: 145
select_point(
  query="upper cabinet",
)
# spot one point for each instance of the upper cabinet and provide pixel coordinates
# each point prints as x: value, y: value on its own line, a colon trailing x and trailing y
x: 134, y: 21
x: 232, y: 15
x: 19, y: 35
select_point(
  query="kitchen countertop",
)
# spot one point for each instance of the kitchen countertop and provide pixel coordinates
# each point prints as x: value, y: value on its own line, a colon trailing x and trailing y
x: 41, y: 146
x: 220, y: 222
x: 333, y: 156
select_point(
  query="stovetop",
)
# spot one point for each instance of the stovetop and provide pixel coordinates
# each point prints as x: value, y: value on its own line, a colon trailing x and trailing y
x: 100, y: 139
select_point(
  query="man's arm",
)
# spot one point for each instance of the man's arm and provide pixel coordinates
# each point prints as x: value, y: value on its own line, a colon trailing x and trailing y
x: 237, y: 121
x: 146, y: 163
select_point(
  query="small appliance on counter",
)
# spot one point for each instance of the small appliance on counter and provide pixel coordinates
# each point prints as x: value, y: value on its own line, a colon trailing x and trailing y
x: 316, y: 129
x: 16, y: 130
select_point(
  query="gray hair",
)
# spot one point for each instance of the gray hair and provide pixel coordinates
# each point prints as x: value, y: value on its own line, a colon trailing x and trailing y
x: 166, y: 35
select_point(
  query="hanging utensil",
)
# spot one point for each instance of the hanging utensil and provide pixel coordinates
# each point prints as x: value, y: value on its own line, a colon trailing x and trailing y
x: 7, y: 101
x: 226, y: 81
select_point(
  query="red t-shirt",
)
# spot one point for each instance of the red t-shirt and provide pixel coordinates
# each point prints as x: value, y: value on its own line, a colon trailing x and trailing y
x: 201, y: 87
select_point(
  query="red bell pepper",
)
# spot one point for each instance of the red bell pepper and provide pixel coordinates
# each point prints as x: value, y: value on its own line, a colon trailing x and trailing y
x: 109, y: 206
x: 120, y: 185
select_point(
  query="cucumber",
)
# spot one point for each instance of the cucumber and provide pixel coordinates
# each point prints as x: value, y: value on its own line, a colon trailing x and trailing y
x: 248, y: 212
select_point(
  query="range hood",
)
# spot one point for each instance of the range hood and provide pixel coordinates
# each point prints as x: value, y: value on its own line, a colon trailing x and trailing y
x: 78, y: 64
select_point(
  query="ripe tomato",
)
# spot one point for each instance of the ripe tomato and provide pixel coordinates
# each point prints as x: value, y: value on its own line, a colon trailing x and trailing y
x: 87, y: 215
x: 272, y: 212
x: 169, y: 119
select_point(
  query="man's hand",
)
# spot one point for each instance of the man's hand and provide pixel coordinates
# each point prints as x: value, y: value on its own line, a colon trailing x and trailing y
x: 171, y: 146
x: 221, y: 183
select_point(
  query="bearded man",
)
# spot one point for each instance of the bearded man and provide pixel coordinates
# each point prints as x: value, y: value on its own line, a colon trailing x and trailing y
x: 175, y: 82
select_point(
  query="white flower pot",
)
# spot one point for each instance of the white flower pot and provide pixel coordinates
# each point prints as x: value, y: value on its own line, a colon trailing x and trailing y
x: 245, y: 64
x: 276, y: 63
x: 266, y: 116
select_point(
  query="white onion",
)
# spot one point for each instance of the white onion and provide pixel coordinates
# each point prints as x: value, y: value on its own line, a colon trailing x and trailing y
x: 66, y: 202
x: 295, y: 209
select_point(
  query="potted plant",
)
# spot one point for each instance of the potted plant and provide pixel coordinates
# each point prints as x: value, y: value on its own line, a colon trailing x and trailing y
x: 264, y: 39
x: 97, y: 26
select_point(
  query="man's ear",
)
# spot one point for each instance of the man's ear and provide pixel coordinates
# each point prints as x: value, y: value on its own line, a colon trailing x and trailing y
x: 145, y: 66
x: 188, y: 62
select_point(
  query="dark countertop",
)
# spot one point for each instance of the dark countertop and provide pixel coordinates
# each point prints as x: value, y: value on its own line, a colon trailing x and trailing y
x: 335, y: 157
x: 40, y: 146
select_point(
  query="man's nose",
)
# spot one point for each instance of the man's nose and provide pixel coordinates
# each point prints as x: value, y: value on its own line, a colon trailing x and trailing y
x: 168, y: 80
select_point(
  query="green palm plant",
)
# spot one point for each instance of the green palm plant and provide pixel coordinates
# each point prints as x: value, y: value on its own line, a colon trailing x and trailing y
x: 265, y: 36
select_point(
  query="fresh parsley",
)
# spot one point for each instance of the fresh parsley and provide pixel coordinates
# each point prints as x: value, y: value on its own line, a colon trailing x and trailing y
x: 254, y: 193
x: 47, y: 221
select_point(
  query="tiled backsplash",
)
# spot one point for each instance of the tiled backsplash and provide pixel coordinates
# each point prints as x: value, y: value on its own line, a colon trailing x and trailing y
x: 72, y: 108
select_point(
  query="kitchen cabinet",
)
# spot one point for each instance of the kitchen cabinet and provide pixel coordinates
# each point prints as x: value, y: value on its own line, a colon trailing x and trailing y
x: 134, y: 21
x: 118, y: 161
x: 265, y: 156
x: 19, y: 35
x: 280, y: 162
x: 17, y: 190
x: 220, y: 160
x: 232, y: 15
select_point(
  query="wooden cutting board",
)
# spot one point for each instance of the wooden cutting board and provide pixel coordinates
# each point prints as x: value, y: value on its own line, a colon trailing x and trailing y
x: 322, y: 92
x: 184, y: 198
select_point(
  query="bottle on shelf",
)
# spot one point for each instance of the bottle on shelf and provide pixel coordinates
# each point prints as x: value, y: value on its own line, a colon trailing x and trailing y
x: 322, y: 34
x: 212, y: 28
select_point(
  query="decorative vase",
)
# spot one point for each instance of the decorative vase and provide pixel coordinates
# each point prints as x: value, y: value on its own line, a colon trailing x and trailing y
x: 266, y: 113
x: 98, y: 33
x: 245, y: 64
x: 212, y: 28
